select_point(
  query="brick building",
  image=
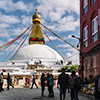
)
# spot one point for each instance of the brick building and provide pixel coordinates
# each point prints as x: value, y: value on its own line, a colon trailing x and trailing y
x: 90, y: 37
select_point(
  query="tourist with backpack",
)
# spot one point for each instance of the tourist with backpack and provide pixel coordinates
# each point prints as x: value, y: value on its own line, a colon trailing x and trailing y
x: 63, y: 80
x: 74, y: 86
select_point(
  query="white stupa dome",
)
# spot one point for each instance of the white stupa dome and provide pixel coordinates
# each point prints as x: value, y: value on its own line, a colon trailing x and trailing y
x: 37, y: 51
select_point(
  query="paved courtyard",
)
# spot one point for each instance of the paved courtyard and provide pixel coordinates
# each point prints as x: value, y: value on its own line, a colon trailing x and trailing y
x: 31, y: 94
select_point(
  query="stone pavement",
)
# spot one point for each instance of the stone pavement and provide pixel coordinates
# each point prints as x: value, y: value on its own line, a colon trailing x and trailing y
x: 32, y: 94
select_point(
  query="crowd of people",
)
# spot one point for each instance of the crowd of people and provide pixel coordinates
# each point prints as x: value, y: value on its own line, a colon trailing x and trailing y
x: 73, y: 83
x: 64, y: 82
x: 50, y: 84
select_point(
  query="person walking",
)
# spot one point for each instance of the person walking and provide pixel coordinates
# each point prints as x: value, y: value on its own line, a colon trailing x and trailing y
x: 9, y: 82
x: 97, y: 88
x: 74, y: 85
x: 1, y: 82
x: 42, y: 83
x: 63, y: 80
x: 51, y: 83
x: 47, y: 79
x: 34, y: 82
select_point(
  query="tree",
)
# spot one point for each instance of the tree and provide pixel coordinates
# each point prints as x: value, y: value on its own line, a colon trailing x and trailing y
x: 69, y: 68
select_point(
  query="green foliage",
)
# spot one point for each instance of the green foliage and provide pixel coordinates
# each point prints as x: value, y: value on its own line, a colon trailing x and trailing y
x: 69, y: 68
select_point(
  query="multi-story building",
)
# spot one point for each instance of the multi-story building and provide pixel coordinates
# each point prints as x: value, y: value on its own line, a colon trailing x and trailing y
x: 90, y: 37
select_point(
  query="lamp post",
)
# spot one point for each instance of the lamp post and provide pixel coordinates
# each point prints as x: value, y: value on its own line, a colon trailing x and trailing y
x: 79, y: 52
x: 76, y: 38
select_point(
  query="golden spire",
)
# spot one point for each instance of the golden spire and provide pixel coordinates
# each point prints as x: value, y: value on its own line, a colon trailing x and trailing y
x: 36, y: 17
x: 36, y: 36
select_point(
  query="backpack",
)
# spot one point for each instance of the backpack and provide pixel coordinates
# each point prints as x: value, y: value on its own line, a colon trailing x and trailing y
x: 77, y: 84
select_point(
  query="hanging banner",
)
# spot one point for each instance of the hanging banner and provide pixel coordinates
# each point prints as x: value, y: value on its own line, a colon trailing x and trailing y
x: 9, y: 43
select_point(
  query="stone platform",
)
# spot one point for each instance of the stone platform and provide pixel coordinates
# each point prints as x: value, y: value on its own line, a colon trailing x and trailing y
x: 19, y: 93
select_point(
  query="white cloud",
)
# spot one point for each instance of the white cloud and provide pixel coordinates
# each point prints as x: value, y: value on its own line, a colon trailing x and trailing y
x: 54, y: 16
x: 4, y: 33
x: 26, y: 20
x: 11, y: 19
x: 9, y: 6
x: 67, y: 25
x: 63, y: 45
x: 1, y: 43
x: 56, y: 12
x: 18, y: 31
x: 69, y: 36
x: 4, y: 25
x: 51, y: 38
x: 60, y: 6
x: 68, y: 54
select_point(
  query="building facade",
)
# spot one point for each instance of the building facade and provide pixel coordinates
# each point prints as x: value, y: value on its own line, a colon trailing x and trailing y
x: 90, y: 37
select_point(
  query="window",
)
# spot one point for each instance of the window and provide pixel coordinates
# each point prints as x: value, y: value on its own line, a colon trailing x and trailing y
x: 95, y: 29
x: 85, y: 36
x: 92, y: 2
x: 85, y: 6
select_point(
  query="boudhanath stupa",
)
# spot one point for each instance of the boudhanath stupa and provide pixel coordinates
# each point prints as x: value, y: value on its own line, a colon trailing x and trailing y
x: 35, y: 58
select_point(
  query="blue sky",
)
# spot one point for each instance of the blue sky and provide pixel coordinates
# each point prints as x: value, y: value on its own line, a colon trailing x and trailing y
x: 61, y: 16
